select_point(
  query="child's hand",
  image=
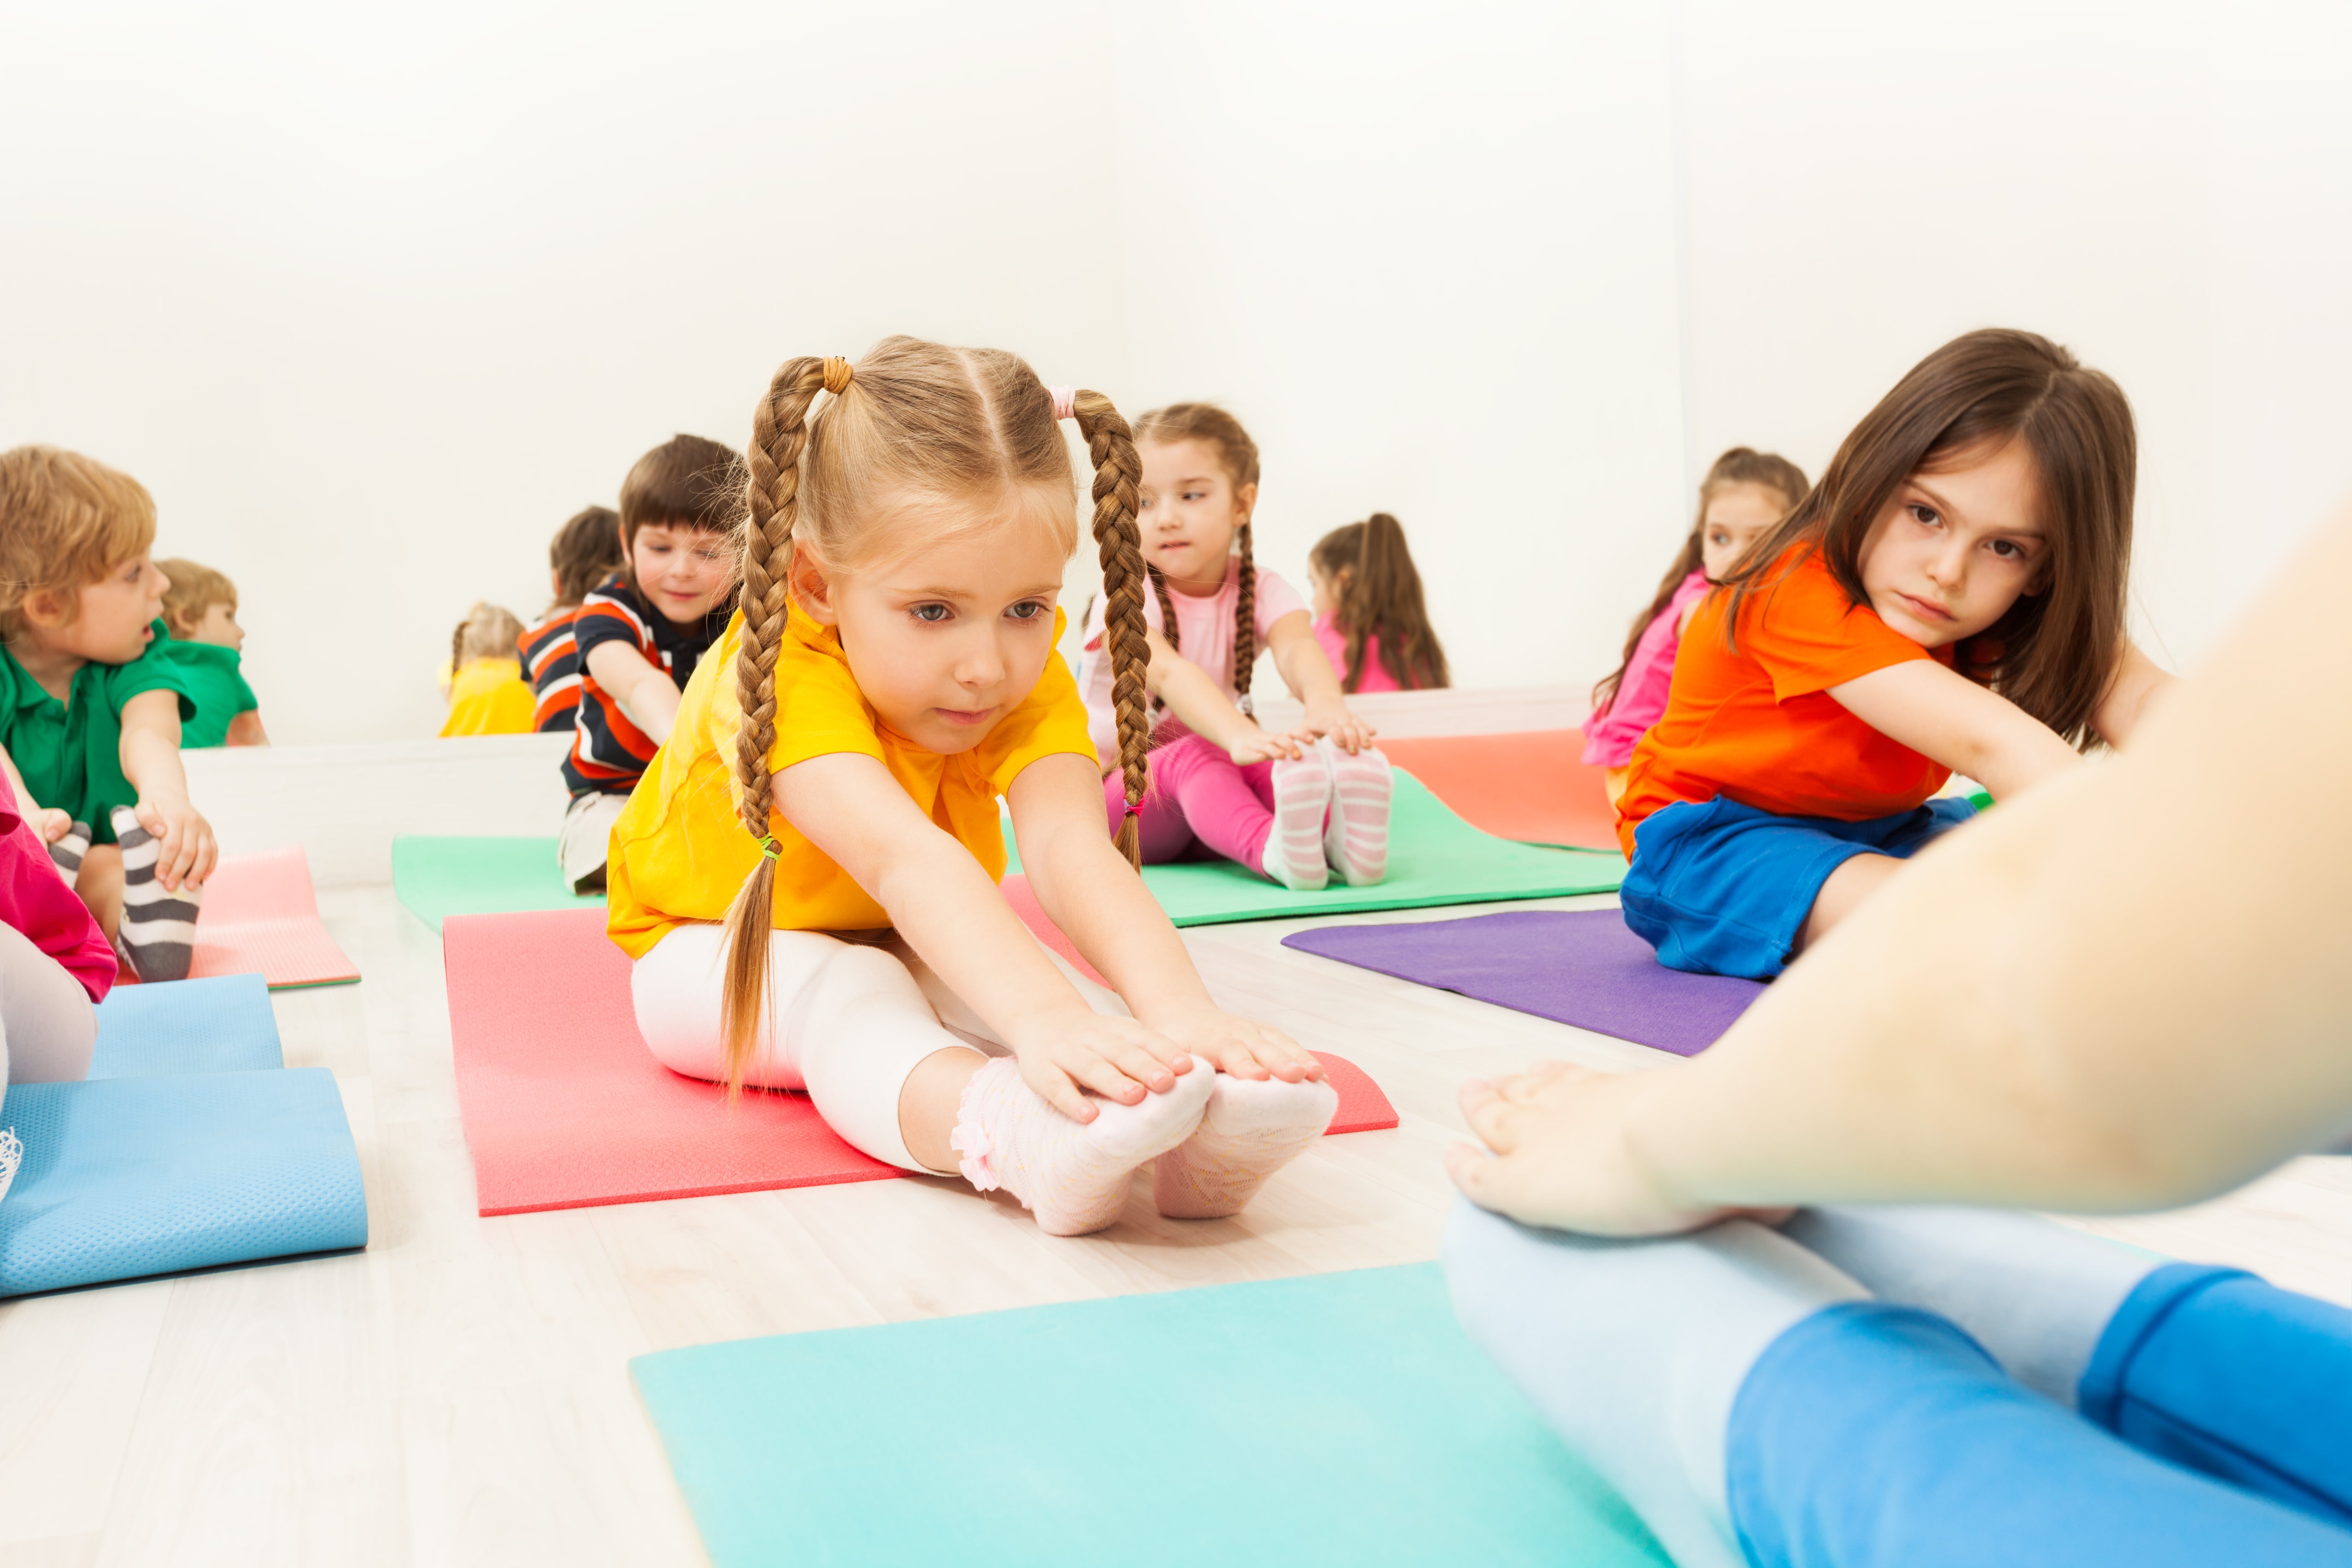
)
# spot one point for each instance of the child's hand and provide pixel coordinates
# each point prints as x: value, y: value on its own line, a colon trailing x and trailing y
x: 1118, y: 1058
x: 1269, y: 746
x: 186, y: 851
x: 51, y: 823
x: 1329, y: 716
x: 1242, y: 1047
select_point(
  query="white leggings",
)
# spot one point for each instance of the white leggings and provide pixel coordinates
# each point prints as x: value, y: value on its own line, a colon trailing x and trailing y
x: 848, y: 1023
x: 48, y: 1027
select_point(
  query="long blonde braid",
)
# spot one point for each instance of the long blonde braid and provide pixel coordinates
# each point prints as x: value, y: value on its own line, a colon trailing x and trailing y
x: 1118, y: 474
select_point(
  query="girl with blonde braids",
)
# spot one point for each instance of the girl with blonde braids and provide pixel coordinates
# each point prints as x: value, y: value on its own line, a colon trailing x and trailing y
x: 1293, y: 805
x: 806, y: 877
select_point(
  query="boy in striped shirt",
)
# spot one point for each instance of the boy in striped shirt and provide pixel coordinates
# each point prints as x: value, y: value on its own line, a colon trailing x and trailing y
x: 640, y: 635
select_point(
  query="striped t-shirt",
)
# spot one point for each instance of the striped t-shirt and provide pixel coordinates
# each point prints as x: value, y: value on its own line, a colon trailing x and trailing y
x: 608, y: 751
x: 551, y: 661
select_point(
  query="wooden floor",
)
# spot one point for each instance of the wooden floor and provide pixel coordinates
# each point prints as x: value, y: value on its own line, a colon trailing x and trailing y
x: 459, y: 1392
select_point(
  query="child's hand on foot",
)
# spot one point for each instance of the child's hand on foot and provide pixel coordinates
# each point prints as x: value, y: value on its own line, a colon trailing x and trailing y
x: 51, y: 823
x: 1329, y: 716
x: 1241, y: 1047
x: 1116, y: 1058
x: 1269, y: 746
x: 187, y: 850
x: 1557, y: 1156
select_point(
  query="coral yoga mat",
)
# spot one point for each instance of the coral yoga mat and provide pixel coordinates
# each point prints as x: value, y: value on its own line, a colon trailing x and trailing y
x: 1532, y: 785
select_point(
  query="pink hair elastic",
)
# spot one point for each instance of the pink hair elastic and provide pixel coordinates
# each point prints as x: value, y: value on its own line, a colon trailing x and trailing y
x: 1064, y: 401
x: 1134, y: 809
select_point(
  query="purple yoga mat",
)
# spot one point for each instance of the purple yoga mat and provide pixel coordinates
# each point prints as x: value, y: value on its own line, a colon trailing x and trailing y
x: 1573, y: 966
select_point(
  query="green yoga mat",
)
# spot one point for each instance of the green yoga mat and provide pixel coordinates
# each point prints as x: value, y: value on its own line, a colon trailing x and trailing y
x: 1336, y: 1419
x: 1434, y: 858
x: 435, y: 878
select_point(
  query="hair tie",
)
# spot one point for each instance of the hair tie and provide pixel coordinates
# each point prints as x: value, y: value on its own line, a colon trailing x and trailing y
x: 1065, y: 401
x: 836, y: 375
x: 1135, y: 808
x: 768, y: 849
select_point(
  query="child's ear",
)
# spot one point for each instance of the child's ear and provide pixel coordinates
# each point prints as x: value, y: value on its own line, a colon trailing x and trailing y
x: 1245, y: 501
x: 44, y: 607
x: 814, y: 589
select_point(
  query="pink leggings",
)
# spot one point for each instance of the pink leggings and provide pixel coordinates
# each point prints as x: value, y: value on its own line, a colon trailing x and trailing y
x: 1199, y: 793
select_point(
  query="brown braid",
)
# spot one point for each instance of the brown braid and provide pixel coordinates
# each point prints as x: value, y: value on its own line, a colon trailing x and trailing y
x: 1118, y: 474
x: 779, y: 431
x: 1246, y: 621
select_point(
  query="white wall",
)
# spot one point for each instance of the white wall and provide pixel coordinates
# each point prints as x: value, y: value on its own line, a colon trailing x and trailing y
x: 2165, y: 188
x: 1428, y: 256
x: 372, y: 305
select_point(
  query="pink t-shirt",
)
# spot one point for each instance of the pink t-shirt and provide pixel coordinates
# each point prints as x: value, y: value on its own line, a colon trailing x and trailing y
x: 1335, y: 644
x: 1204, y: 636
x: 1641, y: 698
x: 34, y: 899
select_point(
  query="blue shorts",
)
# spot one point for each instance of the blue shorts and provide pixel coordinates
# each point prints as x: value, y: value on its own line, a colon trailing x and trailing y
x: 1724, y: 888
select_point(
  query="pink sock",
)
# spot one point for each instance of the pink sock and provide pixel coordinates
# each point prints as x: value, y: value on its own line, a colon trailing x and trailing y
x: 1251, y: 1130
x: 1073, y: 1176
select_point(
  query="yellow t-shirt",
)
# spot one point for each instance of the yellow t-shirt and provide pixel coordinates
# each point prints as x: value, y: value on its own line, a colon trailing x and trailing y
x: 679, y: 852
x: 490, y: 698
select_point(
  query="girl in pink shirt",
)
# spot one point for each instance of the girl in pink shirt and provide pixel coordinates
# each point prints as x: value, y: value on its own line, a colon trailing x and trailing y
x: 1296, y: 806
x: 1743, y: 495
x: 55, y: 965
x: 1368, y: 614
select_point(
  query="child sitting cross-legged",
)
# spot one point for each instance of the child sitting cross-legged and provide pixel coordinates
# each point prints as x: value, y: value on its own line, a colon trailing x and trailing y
x: 200, y: 612
x: 92, y: 703
x: 806, y: 879
x: 641, y: 635
x: 585, y: 552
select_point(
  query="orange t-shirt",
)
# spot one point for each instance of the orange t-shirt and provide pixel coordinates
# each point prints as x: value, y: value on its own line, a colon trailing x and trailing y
x: 1757, y: 724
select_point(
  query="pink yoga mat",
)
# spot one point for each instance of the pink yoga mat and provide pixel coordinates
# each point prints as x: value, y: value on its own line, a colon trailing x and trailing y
x: 564, y: 1107
x: 260, y: 917
x: 1362, y: 1107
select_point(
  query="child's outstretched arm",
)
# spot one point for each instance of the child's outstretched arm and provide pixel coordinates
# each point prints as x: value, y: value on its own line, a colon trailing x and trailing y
x: 1209, y: 713
x: 1960, y: 724
x: 150, y: 761
x: 1087, y: 888
x: 947, y: 909
x: 645, y: 694
x: 1307, y: 670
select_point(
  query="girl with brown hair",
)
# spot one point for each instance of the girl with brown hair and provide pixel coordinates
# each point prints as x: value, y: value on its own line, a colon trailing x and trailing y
x: 1292, y: 806
x: 806, y: 876
x: 1948, y: 598
x: 1743, y: 495
x: 1368, y: 614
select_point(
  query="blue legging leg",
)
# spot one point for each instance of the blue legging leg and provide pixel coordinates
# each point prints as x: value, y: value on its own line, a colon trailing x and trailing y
x: 1874, y: 1434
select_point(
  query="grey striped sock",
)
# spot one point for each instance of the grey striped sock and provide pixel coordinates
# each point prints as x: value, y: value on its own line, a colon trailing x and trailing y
x: 159, y: 926
x: 67, y: 852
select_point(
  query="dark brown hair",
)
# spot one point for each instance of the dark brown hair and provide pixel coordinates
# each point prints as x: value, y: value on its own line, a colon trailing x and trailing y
x: 1379, y: 602
x: 585, y: 552
x: 1739, y: 466
x: 945, y: 424
x: 684, y: 482
x: 1238, y: 454
x: 2055, y: 653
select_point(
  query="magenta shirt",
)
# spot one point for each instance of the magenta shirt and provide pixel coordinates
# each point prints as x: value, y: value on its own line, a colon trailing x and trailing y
x: 34, y: 899
x: 1335, y: 644
x: 1641, y: 698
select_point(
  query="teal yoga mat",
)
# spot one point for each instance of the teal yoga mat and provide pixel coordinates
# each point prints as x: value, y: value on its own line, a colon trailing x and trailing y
x: 1434, y: 858
x: 124, y: 1177
x: 435, y: 878
x: 1336, y: 1419
x: 221, y: 1024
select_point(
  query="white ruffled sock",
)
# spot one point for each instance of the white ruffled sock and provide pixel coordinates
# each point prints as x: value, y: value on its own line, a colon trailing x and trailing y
x: 1294, y: 845
x: 1073, y: 1176
x: 1251, y: 1130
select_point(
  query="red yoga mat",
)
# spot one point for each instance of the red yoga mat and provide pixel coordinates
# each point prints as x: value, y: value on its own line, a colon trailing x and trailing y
x: 260, y: 917
x: 1362, y: 1107
x: 1532, y: 785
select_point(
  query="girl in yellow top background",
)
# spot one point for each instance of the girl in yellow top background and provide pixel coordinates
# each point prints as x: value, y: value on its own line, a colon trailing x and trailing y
x: 829, y: 793
x: 483, y: 680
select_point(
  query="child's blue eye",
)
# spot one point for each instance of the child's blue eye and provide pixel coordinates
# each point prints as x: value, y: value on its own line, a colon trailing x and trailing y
x: 930, y: 614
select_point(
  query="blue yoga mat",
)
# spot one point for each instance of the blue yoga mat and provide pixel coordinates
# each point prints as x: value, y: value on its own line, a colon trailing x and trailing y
x: 123, y: 1177
x: 1337, y: 1418
x: 221, y: 1024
